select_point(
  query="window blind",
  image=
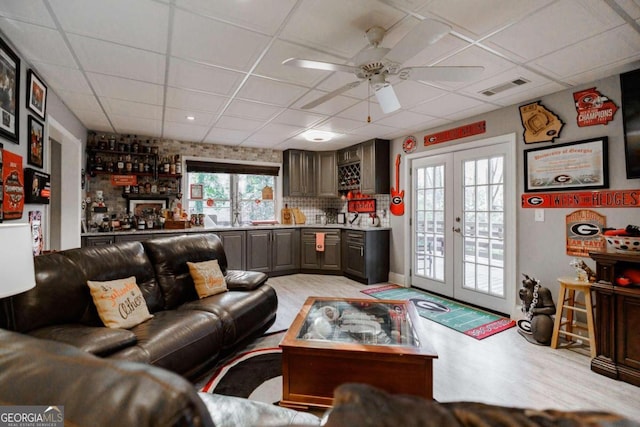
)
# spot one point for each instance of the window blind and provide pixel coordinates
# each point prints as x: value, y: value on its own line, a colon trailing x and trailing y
x: 231, y: 168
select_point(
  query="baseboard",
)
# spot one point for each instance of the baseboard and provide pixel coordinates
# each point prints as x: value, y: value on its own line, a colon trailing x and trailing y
x: 396, y: 278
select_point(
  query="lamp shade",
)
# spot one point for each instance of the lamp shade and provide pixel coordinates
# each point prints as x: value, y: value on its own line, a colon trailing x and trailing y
x: 387, y: 98
x: 17, y: 274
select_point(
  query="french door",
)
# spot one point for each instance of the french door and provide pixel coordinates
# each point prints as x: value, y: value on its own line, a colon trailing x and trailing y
x: 463, y: 225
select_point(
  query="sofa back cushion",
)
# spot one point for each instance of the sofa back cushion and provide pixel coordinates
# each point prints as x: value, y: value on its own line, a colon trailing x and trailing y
x: 61, y: 295
x: 118, y: 261
x: 169, y: 256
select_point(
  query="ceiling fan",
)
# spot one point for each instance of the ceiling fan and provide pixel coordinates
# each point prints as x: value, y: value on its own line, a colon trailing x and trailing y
x: 375, y: 63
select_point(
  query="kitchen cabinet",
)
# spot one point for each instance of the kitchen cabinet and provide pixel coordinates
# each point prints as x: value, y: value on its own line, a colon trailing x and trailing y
x: 375, y: 167
x: 134, y: 237
x: 97, y: 240
x: 326, y: 174
x: 274, y: 251
x: 298, y: 173
x: 233, y: 243
x: 329, y: 260
x: 617, y: 317
x: 349, y: 155
x: 365, y: 255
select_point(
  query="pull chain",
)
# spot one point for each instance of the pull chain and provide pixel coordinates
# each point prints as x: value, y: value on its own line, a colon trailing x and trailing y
x: 369, y: 103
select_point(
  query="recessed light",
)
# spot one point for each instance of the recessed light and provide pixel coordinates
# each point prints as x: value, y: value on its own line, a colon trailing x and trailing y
x: 318, y: 135
x: 191, y: 118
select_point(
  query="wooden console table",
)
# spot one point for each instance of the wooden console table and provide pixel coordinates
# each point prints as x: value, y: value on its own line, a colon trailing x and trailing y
x: 617, y: 319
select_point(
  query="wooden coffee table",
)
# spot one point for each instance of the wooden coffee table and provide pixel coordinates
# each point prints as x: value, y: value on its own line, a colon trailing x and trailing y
x: 338, y: 340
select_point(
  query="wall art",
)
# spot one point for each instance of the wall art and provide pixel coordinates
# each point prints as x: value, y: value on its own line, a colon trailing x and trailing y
x: 540, y: 123
x: 9, y: 93
x: 36, y: 95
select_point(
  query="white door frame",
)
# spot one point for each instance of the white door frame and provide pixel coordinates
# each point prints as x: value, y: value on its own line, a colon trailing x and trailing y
x: 510, y: 196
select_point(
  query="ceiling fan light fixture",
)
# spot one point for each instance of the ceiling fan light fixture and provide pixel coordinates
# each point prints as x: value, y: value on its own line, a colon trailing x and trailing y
x: 315, y: 135
x: 387, y: 98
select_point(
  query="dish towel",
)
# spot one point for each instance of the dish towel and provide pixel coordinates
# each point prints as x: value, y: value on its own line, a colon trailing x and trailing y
x: 320, y: 242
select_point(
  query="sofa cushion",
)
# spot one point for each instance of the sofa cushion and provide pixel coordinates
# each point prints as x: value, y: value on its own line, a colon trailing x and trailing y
x: 60, y: 296
x: 95, y: 392
x: 243, y: 313
x: 239, y: 280
x: 182, y: 341
x: 111, y: 262
x: 207, y: 278
x: 99, y: 340
x: 169, y: 256
x: 119, y: 302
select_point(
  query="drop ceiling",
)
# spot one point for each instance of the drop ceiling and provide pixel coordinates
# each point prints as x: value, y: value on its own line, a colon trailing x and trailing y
x: 142, y: 66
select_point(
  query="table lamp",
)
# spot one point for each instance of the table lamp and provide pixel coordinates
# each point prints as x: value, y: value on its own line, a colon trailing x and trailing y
x: 16, y: 265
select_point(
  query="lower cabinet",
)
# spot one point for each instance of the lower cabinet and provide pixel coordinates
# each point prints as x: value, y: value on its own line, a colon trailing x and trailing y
x: 328, y: 260
x: 365, y: 255
x: 233, y: 243
x: 274, y: 251
x: 97, y: 240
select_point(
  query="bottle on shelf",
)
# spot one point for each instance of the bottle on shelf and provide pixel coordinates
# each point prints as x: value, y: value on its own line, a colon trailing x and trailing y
x: 178, y: 164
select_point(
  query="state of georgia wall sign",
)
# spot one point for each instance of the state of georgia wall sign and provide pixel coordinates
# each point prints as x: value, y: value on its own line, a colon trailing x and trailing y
x: 410, y: 143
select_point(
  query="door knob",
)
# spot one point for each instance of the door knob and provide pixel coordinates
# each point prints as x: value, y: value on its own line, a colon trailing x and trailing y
x: 455, y: 229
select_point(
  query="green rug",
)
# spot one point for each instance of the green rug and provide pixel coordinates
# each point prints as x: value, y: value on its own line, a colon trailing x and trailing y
x: 470, y: 321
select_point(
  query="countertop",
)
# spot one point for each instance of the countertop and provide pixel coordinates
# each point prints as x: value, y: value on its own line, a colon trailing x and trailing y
x: 241, y: 227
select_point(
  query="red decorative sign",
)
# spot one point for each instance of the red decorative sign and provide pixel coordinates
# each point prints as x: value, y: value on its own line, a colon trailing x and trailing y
x: 583, y: 199
x: 13, y: 178
x: 593, y: 108
x: 584, y: 232
x: 362, y: 205
x: 123, y: 180
x: 456, y: 133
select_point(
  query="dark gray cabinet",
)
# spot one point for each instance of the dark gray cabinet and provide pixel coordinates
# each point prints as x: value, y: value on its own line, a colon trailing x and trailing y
x: 329, y: 260
x: 326, y: 174
x: 298, y: 174
x: 97, y: 240
x: 375, y: 167
x: 365, y: 255
x: 233, y: 243
x: 273, y: 251
x: 349, y: 155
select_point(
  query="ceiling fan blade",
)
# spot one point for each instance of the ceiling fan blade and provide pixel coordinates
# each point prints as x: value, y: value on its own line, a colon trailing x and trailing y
x: 387, y: 98
x: 330, y: 95
x: 427, y: 32
x: 319, y: 65
x: 443, y: 74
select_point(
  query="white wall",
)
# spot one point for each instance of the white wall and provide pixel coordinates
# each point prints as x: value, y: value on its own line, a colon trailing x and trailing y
x: 541, y: 250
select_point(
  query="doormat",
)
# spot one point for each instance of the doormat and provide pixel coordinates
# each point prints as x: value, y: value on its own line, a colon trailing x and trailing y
x: 476, y: 323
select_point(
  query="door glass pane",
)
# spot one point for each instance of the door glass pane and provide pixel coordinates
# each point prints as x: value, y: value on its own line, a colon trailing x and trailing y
x: 429, y: 229
x: 483, y: 204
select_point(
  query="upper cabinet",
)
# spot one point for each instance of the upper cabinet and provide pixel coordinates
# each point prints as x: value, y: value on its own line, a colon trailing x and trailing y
x: 374, y: 167
x: 349, y: 155
x: 299, y: 173
x: 327, y: 174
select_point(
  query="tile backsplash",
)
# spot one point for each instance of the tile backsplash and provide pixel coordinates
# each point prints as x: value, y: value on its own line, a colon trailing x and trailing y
x: 311, y: 207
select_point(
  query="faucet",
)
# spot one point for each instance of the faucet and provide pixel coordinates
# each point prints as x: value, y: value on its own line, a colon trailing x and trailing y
x: 355, y: 216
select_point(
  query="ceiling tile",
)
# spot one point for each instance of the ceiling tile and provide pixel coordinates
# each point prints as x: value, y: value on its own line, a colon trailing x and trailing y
x: 546, y: 31
x: 330, y: 107
x: 237, y: 123
x: 131, y: 109
x: 411, y: 93
x: 252, y: 110
x: 117, y: 60
x: 38, y: 44
x: 529, y: 95
x: 631, y: 7
x: 578, y: 58
x: 180, y: 116
x: 32, y: 12
x: 337, y: 26
x: 360, y: 111
x: 265, y: 16
x: 402, y: 119
x: 371, y: 130
x: 184, y: 132
x: 274, y: 133
x: 63, y: 78
x: 337, y: 80
x: 79, y: 101
x: 470, y: 112
x: 94, y: 120
x: 269, y: 91
x: 214, y: 42
x: 226, y: 136
x: 190, y: 100
x: 298, y: 118
x: 445, y: 47
x: 136, y: 126
x: 445, y: 105
x: 141, y: 23
x: 117, y: 87
x: 479, y: 18
x: 339, y: 124
x: 190, y: 75
x: 535, y: 80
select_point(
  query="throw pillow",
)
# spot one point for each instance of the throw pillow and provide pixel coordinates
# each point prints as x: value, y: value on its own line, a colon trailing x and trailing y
x: 119, y: 302
x: 207, y: 277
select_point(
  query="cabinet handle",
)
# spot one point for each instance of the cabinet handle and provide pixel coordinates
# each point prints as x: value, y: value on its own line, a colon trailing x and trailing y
x: 361, y: 251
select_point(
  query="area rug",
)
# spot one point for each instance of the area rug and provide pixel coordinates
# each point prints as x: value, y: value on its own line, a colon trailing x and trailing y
x: 254, y: 374
x: 473, y: 322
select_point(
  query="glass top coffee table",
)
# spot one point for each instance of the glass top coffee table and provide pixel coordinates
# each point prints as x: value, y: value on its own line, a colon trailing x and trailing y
x: 338, y: 340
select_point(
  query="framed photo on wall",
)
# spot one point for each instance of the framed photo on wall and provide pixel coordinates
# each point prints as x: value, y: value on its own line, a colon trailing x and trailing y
x: 196, y: 192
x: 36, y: 95
x: 580, y: 165
x: 36, y: 142
x: 9, y: 93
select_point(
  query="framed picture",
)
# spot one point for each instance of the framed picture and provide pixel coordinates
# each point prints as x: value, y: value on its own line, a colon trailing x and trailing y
x: 36, y: 142
x: 196, y: 192
x: 9, y: 93
x: 37, y: 186
x: 144, y: 207
x: 36, y: 94
x: 630, y: 84
x: 573, y: 166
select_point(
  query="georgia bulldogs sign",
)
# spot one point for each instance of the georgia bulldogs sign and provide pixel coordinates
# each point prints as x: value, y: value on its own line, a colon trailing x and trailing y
x: 583, y: 199
x: 584, y: 229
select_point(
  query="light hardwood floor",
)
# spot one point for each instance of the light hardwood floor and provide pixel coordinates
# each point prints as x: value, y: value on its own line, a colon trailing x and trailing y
x: 503, y: 369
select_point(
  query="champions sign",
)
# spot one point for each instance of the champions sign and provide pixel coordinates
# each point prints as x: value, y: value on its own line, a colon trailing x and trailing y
x: 593, y: 108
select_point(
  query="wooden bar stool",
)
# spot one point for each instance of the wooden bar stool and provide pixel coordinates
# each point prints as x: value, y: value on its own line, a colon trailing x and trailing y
x: 567, y: 301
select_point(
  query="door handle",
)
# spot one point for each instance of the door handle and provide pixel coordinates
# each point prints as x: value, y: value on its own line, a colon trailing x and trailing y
x: 455, y: 229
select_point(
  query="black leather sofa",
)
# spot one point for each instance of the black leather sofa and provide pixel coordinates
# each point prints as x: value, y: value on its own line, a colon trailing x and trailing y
x: 185, y: 335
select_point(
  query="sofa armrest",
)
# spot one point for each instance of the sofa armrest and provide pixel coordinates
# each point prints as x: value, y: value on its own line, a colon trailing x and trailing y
x: 238, y: 280
x: 96, y: 340
x: 95, y: 391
